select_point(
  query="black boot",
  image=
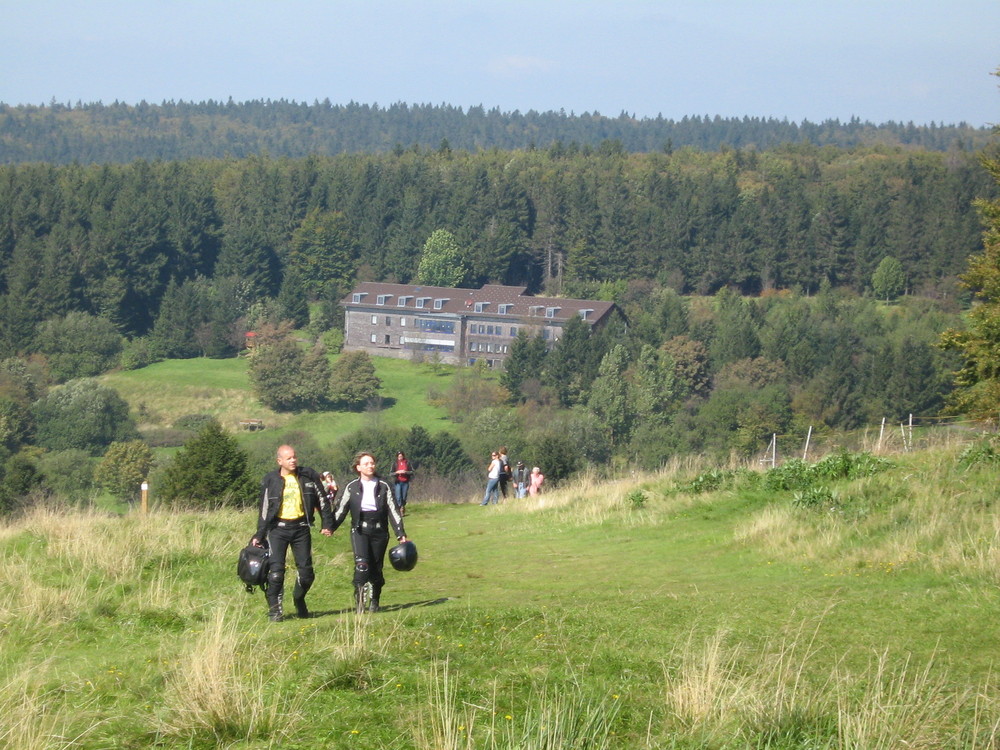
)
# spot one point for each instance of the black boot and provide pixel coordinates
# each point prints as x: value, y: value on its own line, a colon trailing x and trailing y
x: 373, y: 604
x: 274, y: 613
x: 300, y: 607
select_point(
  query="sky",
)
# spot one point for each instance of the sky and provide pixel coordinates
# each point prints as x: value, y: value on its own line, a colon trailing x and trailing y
x: 917, y: 61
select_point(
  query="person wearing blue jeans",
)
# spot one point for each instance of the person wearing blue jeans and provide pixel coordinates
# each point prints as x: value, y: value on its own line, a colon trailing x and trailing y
x: 492, y: 480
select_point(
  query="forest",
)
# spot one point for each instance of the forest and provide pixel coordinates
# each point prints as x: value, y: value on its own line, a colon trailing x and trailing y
x: 760, y: 290
x: 118, y: 132
x: 109, y: 240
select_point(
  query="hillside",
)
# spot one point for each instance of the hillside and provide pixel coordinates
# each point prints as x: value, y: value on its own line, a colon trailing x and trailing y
x: 637, y: 614
x: 100, y: 133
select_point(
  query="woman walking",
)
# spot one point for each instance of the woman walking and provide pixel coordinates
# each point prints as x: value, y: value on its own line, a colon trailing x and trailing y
x: 373, y: 510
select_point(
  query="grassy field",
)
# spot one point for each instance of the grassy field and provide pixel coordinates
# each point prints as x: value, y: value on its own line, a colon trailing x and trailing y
x: 165, y: 391
x: 635, y: 614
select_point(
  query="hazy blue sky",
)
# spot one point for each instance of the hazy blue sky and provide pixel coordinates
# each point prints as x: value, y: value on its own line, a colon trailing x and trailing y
x: 903, y: 60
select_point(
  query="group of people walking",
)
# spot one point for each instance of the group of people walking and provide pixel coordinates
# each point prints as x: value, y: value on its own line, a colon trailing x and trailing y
x: 290, y: 497
x: 499, y: 478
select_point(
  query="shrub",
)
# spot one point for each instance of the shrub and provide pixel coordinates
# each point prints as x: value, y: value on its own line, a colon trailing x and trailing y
x: 82, y: 414
x: 210, y: 470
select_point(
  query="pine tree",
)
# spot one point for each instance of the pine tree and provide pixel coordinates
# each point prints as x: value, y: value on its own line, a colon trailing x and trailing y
x: 210, y: 470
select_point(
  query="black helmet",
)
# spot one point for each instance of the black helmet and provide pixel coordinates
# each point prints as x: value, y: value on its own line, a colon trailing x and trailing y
x: 403, y: 556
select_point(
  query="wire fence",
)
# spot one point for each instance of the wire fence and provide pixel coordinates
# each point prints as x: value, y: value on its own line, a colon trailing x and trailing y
x: 886, y: 438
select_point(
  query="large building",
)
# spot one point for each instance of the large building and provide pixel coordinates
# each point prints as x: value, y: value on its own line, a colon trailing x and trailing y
x: 456, y: 326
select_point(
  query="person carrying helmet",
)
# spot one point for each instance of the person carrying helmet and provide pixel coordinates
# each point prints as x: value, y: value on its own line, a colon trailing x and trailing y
x: 370, y: 502
x: 289, y: 497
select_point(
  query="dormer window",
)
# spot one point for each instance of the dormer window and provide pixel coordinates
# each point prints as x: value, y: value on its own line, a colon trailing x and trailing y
x: 550, y: 312
x: 535, y: 309
x: 403, y: 299
x: 439, y: 303
x: 422, y: 301
x: 358, y: 297
x: 481, y: 306
x: 504, y: 309
x: 381, y: 299
x: 585, y: 314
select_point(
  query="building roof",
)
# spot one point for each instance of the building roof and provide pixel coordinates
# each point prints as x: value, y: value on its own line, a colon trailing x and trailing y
x: 454, y: 301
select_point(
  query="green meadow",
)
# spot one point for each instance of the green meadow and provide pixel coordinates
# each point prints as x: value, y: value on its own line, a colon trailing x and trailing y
x: 162, y: 392
x: 639, y: 613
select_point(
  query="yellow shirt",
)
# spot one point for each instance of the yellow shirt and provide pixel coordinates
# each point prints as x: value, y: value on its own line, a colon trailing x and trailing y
x: 291, y: 500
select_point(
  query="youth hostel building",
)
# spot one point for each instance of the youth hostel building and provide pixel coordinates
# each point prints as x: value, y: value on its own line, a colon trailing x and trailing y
x: 457, y: 326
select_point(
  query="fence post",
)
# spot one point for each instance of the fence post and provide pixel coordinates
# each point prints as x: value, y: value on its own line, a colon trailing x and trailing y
x: 144, y: 487
x: 805, y: 451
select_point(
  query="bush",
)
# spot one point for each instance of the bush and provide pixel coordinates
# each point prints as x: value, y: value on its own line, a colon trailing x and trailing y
x: 209, y: 471
x: 68, y: 474
x: 82, y: 414
x: 193, y: 422
x: 79, y: 345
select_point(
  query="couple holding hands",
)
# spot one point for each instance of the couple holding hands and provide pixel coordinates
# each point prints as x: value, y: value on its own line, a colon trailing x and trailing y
x: 289, y: 497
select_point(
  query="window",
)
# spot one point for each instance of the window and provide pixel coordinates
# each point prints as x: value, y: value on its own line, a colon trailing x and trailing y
x: 436, y: 326
x: 422, y: 301
x: 374, y: 320
x: 489, y: 330
x: 481, y: 306
x: 402, y: 322
x: 387, y: 339
x: 380, y: 300
x: 358, y: 297
x: 504, y: 309
x: 550, y: 312
x: 388, y: 320
x: 585, y: 314
x: 403, y: 299
x: 513, y: 332
x: 535, y: 310
x: 374, y: 338
x: 439, y: 303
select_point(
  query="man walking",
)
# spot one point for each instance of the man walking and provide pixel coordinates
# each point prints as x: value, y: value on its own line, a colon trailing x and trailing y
x: 289, y: 497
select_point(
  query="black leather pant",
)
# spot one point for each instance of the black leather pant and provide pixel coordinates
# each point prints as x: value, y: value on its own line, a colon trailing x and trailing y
x: 369, y: 545
x: 299, y: 539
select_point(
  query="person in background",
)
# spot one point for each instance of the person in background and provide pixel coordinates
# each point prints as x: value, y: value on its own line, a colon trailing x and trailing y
x: 521, y: 478
x: 401, y: 476
x: 492, y: 479
x: 289, y: 497
x: 504, y: 470
x: 369, y: 501
x: 535, y: 482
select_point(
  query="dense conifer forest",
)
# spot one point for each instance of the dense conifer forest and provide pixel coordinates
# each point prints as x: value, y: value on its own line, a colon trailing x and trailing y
x: 118, y: 132
x: 770, y: 276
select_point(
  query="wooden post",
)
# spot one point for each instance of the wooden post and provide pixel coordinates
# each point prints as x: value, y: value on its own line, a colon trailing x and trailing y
x: 881, y: 432
x: 145, y: 497
x: 805, y: 451
x: 910, y: 446
x: 774, y: 449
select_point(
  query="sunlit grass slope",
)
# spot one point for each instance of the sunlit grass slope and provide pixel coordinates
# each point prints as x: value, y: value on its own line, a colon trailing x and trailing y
x: 165, y: 391
x: 634, y: 614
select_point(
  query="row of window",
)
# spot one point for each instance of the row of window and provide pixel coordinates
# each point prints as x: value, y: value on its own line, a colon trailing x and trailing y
x: 436, y: 326
x: 422, y: 346
x: 421, y: 303
x: 480, y: 346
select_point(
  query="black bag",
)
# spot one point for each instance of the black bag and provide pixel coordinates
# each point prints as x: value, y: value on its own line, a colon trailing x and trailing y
x: 252, y: 567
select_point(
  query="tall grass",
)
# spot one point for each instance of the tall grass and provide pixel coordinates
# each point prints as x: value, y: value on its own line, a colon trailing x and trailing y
x: 926, y: 512
x: 229, y: 686
x: 36, y: 717
x: 720, y: 694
